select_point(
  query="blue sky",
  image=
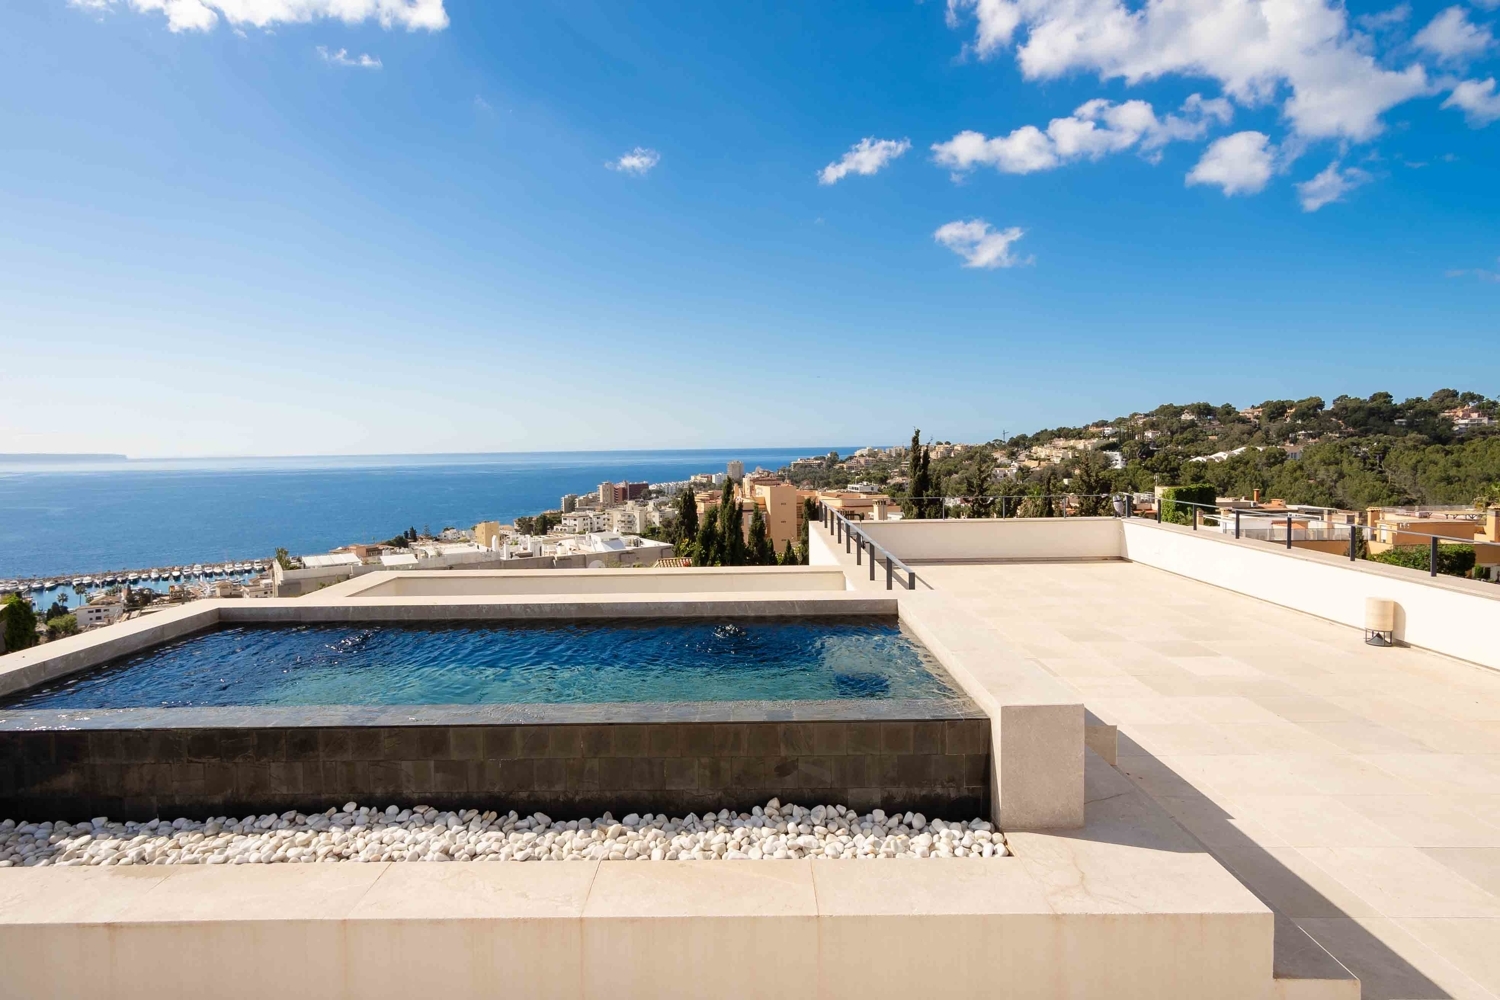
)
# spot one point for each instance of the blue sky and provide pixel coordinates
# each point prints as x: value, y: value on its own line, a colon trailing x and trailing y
x: 248, y: 227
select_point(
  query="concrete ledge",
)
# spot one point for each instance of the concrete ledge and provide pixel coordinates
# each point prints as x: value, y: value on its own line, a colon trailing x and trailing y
x: 1037, y: 721
x: 1126, y: 908
x: 495, y: 583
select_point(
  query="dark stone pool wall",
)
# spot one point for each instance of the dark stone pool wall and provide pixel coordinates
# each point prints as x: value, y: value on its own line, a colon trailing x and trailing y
x: 566, y: 760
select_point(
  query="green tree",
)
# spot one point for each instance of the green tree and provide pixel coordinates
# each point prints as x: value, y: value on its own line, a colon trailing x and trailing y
x: 285, y: 558
x: 706, y: 547
x: 1091, y: 483
x: 789, y: 556
x: 920, y: 502
x: 732, y: 550
x: 526, y: 525
x: 58, y: 609
x: 686, y: 528
x: 1452, y: 560
x: 976, y: 485
x: 761, y: 550
x: 18, y: 618
x: 61, y: 626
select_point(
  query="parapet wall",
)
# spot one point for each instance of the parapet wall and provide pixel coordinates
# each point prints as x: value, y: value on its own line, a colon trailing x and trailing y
x: 1032, y: 539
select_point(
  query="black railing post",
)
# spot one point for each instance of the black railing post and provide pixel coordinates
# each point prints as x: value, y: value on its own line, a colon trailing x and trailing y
x: 1197, y: 515
x: 848, y: 537
x: 911, y: 578
x: 1289, y: 531
x: 859, y: 550
x: 872, y: 562
x: 1432, y: 557
x: 889, y: 571
x: 1353, y: 541
x: 1158, y: 510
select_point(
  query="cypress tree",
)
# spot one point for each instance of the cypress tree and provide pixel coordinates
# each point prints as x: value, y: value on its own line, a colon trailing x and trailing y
x: 919, y: 471
x: 686, y: 529
x: 19, y: 621
x: 789, y: 556
x: 762, y: 549
x: 706, y: 546
x: 732, y: 551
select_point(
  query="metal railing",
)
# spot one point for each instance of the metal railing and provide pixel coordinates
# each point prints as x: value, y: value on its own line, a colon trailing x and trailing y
x: 854, y: 539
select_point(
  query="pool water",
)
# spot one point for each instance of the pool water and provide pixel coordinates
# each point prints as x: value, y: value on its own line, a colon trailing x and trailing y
x: 472, y: 664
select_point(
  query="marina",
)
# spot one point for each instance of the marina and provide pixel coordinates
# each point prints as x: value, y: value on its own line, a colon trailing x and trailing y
x: 74, y: 589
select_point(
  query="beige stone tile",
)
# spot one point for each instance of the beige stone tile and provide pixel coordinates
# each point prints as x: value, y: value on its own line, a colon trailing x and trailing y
x: 1282, y: 737
x: 1454, y: 736
x: 1249, y: 774
x: 1305, y: 708
x: 1150, y: 709
x: 1217, y: 825
x: 1473, y: 946
x: 1426, y: 820
x: 1346, y: 774
x: 1164, y: 777
x: 1404, y: 882
x: 469, y: 926
x: 256, y: 892
x: 1230, y: 709
x: 1364, y: 737
x: 1480, y: 865
x: 1460, y: 774
x: 1486, y: 807
x: 1391, y: 964
x: 1291, y: 883
x: 908, y: 887
x: 1185, y: 739
x: 73, y: 895
x: 486, y: 890
x: 648, y: 926
x: 1314, y: 821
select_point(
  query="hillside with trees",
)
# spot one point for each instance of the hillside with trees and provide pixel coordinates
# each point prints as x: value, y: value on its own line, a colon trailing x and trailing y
x: 1350, y: 453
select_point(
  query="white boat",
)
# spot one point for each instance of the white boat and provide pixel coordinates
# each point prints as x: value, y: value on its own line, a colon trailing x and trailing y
x: 177, y: 573
x: 197, y: 569
x: 88, y: 581
x: 134, y: 577
x: 36, y: 585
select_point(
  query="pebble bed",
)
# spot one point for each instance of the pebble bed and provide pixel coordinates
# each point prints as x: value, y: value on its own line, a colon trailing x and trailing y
x: 362, y: 834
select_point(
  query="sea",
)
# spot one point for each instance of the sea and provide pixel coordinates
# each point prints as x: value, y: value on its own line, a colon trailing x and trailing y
x: 70, y: 518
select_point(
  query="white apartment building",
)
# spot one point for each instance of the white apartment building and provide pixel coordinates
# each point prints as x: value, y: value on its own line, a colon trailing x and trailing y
x: 582, y: 522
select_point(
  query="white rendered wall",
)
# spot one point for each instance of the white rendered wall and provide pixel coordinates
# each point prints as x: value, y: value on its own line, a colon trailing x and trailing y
x: 996, y: 539
x: 1450, y: 616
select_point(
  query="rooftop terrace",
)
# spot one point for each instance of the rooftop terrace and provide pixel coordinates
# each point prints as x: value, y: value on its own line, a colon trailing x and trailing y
x: 1208, y: 784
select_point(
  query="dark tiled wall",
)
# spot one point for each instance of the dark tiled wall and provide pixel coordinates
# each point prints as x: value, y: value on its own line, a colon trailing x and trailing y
x: 939, y: 767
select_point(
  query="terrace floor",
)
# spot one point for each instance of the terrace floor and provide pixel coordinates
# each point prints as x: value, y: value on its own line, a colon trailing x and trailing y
x: 1356, y: 790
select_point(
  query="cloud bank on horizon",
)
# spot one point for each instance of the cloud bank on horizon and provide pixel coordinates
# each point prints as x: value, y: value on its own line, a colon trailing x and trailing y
x: 203, y: 15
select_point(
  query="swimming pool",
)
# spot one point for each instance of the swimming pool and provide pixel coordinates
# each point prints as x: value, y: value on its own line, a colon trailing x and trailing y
x: 661, y: 660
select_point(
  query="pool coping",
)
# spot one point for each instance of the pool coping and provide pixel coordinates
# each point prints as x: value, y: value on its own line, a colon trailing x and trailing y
x: 498, y: 714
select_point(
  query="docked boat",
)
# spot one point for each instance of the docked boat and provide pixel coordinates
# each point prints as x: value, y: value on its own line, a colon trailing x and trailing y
x: 197, y: 569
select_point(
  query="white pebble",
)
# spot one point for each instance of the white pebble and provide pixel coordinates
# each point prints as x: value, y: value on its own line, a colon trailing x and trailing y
x: 366, y: 834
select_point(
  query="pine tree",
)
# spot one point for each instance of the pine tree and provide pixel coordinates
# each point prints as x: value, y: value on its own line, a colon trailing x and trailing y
x: 762, y: 551
x: 789, y: 556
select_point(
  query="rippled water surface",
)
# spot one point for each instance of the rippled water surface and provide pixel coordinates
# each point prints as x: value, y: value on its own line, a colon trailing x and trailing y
x: 468, y: 664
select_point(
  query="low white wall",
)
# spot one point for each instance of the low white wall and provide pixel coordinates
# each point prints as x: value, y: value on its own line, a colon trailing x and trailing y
x: 998, y: 539
x: 1446, y: 615
x: 468, y: 583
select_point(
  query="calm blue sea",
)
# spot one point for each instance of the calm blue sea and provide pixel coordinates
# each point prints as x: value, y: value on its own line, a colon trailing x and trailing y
x: 70, y: 519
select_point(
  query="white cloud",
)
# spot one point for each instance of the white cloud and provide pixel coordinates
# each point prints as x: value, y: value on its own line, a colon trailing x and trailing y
x: 1239, y: 163
x: 638, y: 161
x: 1330, y: 186
x: 1481, y: 273
x: 1452, y: 37
x: 342, y: 58
x: 1095, y: 129
x: 865, y: 158
x: 981, y: 246
x: 1255, y: 49
x: 1477, y: 100
x: 202, y: 15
